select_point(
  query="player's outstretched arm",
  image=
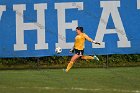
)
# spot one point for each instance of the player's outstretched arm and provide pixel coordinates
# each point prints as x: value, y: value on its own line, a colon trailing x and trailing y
x: 89, y: 39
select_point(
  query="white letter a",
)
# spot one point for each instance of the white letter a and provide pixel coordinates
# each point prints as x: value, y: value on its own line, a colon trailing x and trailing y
x: 2, y: 8
x: 111, y: 8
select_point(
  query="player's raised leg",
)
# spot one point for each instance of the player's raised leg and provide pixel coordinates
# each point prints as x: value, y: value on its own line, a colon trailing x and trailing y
x: 90, y: 57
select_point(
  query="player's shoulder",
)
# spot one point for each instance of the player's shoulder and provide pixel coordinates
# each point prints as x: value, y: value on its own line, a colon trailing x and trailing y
x: 84, y: 34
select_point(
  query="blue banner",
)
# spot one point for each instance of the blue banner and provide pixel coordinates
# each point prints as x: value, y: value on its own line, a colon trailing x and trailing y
x: 34, y: 28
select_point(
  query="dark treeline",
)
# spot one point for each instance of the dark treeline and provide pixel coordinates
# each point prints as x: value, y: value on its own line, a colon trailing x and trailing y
x: 61, y: 62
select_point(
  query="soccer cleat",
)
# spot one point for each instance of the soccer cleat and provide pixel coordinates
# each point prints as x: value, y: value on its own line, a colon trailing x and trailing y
x: 96, y: 58
x: 64, y: 70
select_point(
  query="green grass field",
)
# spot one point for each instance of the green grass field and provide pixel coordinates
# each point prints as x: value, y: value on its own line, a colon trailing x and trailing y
x: 86, y: 80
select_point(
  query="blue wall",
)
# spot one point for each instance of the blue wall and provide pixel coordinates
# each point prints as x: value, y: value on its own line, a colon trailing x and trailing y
x: 86, y: 13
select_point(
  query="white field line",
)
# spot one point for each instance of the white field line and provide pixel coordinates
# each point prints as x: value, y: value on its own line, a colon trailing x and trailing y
x: 80, y: 89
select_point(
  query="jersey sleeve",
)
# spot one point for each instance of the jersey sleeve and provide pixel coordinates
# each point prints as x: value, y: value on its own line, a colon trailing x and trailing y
x: 87, y: 37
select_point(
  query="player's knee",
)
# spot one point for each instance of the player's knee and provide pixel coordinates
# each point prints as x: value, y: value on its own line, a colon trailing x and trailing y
x: 82, y: 57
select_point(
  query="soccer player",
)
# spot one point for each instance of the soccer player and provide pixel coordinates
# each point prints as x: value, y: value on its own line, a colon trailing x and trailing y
x: 79, y: 47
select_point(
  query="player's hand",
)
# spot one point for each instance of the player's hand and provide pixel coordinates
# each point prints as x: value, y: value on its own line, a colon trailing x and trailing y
x: 98, y: 43
x: 72, y: 50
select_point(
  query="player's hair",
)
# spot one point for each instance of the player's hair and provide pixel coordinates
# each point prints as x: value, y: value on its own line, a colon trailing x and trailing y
x: 80, y: 28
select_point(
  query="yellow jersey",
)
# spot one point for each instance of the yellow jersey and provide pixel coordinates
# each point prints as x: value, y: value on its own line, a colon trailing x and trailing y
x: 80, y: 41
